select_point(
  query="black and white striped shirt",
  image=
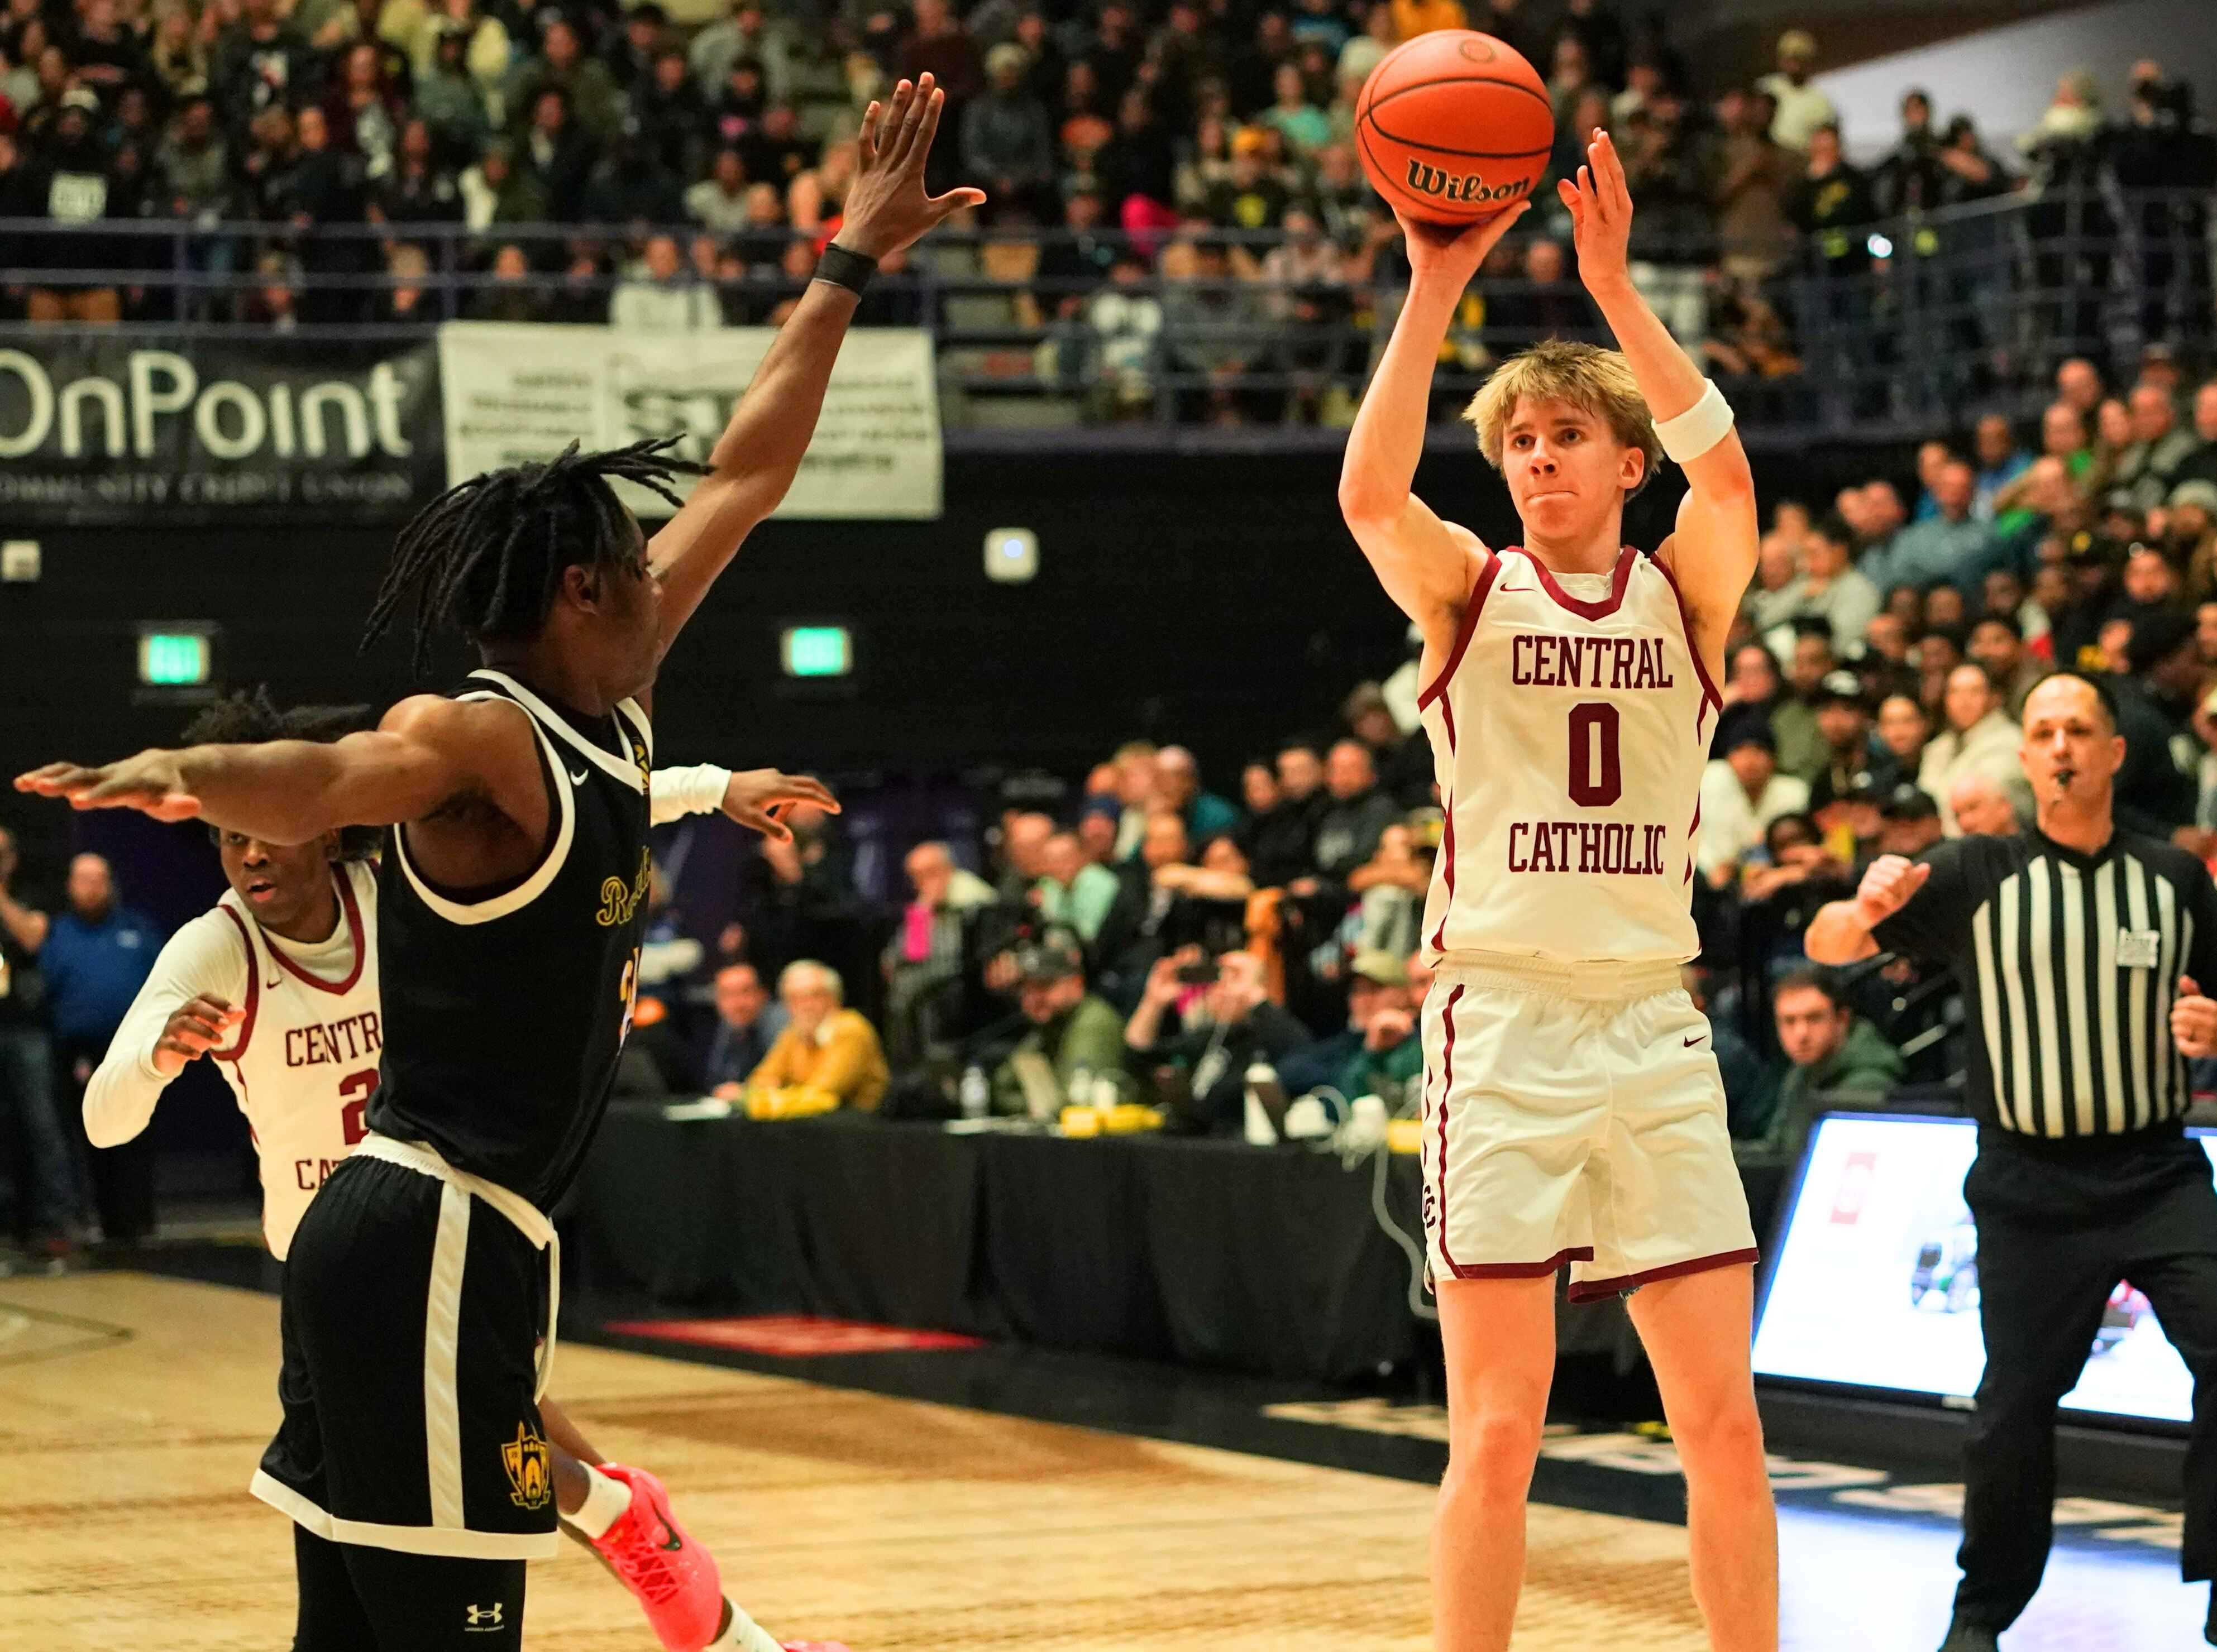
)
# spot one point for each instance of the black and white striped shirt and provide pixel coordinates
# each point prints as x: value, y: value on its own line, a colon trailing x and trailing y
x: 2069, y: 963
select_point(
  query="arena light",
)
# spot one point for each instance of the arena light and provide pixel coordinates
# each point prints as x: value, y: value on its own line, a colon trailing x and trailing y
x: 1879, y: 246
x: 1011, y: 555
x: 175, y: 656
x: 818, y: 651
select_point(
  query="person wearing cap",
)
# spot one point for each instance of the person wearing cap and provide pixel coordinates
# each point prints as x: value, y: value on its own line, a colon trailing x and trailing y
x: 1850, y: 762
x: 1978, y: 735
x: 1008, y: 145
x: 1250, y: 197
x: 1377, y: 985
x: 2190, y: 536
x: 1228, y: 1027
x: 1909, y: 821
x: 69, y: 181
x: 1073, y: 1031
x: 2159, y: 787
x: 1997, y: 642
x: 1742, y: 793
x: 825, y: 1047
x: 1802, y: 109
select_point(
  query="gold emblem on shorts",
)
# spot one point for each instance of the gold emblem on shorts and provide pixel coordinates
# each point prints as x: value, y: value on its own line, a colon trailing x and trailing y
x: 530, y: 1469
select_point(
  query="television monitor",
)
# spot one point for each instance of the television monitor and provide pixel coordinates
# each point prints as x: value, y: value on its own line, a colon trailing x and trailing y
x: 1871, y: 1282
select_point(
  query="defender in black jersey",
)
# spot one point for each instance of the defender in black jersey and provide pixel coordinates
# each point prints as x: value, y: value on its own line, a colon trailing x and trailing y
x: 421, y: 1297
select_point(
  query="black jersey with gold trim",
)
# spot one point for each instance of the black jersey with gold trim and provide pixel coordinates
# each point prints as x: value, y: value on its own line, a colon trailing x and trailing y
x: 506, y: 1008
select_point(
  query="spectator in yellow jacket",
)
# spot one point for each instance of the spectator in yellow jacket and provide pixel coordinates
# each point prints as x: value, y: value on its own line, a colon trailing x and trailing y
x: 824, y: 1046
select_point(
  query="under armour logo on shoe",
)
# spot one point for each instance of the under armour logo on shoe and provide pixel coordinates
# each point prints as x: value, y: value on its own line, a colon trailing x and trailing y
x: 483, y: 1619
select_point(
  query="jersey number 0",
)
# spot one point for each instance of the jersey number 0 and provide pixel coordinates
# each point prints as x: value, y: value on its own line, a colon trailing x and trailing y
x: 1597, y: 767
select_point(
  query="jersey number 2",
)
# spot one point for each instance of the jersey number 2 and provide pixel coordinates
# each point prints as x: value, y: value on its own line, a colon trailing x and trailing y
x: 1597, y: 767
x: 355, y: 1091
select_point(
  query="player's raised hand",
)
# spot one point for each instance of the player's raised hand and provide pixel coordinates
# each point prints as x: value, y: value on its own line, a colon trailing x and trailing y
x: 195, y: 1028
x: 1887, y: 886
x: 1453, y: 252
x: 760, y: 799
x: 152, y: 782
x: 1601, y: 212
x: 2193, y: 1020
x: 887, y: 207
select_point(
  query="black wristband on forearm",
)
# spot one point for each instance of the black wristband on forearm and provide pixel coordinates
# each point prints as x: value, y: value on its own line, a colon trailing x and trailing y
x: 844, y: 267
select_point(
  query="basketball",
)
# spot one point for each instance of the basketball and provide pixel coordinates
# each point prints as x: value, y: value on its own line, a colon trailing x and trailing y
x: 1453, y: 127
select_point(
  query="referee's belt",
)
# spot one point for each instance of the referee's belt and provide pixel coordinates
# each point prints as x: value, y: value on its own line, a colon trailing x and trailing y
x: 526, y: 1218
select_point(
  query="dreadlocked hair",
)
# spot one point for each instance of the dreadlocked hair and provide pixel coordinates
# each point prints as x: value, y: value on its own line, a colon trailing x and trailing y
x: 250, y: 718
x: 489, y: 553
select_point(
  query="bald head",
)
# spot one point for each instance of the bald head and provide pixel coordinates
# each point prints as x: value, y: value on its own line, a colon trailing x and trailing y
x: 1982, y: 807
x: 1177, y: 777
x: 92, y: 887
x: 1027, y: 843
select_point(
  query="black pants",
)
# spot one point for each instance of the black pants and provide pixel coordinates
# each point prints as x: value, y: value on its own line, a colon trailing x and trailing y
x: 359, y: 1599
x: 122, y: 1177
x: 2058, y: 1226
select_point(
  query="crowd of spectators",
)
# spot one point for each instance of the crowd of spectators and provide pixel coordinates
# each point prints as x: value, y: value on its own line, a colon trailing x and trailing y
x: 1150, y: 937
x: 1193, y: 159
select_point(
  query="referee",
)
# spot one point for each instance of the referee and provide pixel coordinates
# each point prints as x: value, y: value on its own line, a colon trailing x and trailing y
x: 2078, y: 948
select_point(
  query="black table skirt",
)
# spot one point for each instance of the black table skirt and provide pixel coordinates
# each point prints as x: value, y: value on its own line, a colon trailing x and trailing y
x: 1267, y: 1261
x: 1209, y: 1252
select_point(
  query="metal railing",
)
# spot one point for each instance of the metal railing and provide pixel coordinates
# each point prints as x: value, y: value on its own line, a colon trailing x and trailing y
x: 1894, y: 326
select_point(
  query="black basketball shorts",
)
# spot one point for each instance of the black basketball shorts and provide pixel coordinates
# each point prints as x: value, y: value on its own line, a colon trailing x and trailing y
x: 412, y: 1312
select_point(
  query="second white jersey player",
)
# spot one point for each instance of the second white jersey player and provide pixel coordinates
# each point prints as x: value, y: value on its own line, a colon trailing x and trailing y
x: 303, y: 1059
x: 1569, y: 727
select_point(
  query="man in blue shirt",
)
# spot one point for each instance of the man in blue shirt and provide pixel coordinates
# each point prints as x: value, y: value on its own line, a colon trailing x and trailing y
x: 49, y: 1210
x: 1952, y: 548
x: 96, y: 957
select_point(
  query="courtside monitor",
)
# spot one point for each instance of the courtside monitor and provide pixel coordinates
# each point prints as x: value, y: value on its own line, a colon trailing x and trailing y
x: 1871, y: 1282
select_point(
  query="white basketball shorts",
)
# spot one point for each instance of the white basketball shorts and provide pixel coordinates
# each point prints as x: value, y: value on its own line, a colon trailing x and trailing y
x: 1574, y: 1113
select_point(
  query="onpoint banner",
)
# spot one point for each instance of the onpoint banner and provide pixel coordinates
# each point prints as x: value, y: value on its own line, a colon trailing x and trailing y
x: 112, y: 428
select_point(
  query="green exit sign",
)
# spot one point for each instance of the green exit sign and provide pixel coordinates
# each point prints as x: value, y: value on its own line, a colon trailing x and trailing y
x: 173, y: 659
x: 818, y: 651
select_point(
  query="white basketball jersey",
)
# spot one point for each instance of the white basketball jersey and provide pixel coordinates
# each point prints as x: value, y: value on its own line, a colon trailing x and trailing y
x: 305, y: 1059
x: 1569, y: 727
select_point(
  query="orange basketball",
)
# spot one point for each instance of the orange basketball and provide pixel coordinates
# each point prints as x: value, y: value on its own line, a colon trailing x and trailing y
x: 1453, y: 127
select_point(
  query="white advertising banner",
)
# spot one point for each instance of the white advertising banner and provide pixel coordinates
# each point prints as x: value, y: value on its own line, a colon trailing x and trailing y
x: 516, y: 392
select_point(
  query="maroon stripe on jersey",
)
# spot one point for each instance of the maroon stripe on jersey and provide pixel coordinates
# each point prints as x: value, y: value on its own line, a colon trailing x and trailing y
x: 1526, y: 1270
x: 1447, y: 839
x: 1594, y: 1290
x: 1700, y: 668
x: 354, y: 928
x: 1446, y: 1089
x: 1620, y: 581
x: 1693, y: 835
x: 1464, y: 631
x: 253, y: 989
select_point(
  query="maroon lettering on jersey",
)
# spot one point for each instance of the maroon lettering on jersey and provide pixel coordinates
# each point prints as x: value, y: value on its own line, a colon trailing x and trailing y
x: 1589, y: 848
x: 349, y: 1039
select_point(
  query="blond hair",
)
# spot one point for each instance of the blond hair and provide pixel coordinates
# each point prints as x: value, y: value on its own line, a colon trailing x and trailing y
x: 1587, y: 377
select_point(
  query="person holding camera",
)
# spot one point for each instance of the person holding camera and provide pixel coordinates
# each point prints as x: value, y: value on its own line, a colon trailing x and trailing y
x: 1230, y: 1027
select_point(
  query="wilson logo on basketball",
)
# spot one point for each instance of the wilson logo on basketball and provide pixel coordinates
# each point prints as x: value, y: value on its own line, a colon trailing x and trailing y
x: 1437, y: 185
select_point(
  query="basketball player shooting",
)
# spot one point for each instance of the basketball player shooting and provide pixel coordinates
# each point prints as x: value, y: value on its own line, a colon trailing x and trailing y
x: 277, y: 987
x: 421, y: 1290
x: 1573, y: 1113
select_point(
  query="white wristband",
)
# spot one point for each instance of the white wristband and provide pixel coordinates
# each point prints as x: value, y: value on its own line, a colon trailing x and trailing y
x: 1699, y: 428
x: 680, y: 791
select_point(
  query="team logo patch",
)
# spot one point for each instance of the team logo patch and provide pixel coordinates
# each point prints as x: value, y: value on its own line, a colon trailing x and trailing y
x: 530, y: 1469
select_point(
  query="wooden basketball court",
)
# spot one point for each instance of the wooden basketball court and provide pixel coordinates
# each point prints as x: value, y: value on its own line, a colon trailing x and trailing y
x: 132, y: 1410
